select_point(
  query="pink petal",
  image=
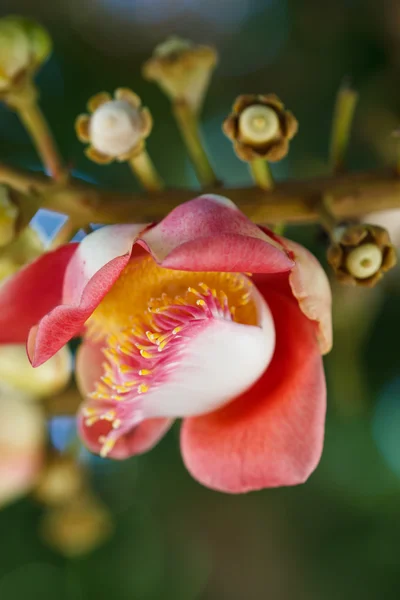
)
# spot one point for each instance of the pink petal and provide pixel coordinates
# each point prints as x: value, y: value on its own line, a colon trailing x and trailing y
x: 142, y: 438
x: 210, y: 234
x: 34, y: 291
x: 100, y: 259
x: 271, y: 435
x: 310, y: 285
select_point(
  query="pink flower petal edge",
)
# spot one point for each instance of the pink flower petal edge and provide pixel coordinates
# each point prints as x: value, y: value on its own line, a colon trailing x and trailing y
x: 89, y: 361
x: 94, y: 268
x: 310, y: 286
x: 31, y: 293
x: 209, y: 233
x: 271, y: 435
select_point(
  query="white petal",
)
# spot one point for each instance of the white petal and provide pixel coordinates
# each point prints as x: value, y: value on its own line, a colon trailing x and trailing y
x: 221, y: 361
x: 94, y: 252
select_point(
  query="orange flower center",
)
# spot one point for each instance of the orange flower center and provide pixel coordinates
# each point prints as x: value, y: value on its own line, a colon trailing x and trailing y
x: 143, y: 281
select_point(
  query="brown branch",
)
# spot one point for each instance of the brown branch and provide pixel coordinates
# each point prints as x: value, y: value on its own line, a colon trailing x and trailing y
x: 352, y: 195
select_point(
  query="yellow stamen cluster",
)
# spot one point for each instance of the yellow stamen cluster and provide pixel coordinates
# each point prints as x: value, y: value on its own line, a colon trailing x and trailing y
x: 150, y: 332
x: 143, y: 280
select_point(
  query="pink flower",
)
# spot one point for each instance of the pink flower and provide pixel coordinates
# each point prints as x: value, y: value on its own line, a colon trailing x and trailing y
x: 204, y: 316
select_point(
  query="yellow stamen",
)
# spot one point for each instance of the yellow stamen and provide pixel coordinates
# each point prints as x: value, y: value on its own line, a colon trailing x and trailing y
x: 135, y: 315
x: 108, y: 445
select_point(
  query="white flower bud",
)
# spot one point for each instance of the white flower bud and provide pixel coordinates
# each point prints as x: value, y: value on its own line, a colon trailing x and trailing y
x: 364, y: 261
x: 258, y: 124
x: 115, y: 128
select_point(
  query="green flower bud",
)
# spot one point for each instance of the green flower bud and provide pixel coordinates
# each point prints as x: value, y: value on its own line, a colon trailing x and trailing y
x: 24, y: 46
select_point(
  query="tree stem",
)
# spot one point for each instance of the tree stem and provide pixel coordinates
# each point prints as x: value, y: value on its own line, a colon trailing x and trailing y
x: 326, y: 216
x: 65, y: 234
x: 189, y: 128
x: 345, y: 105
x: 145, y: 171
x: 25, y: 104
x: 261, y: 173
x: 346, y: 101
x: 352, y: 195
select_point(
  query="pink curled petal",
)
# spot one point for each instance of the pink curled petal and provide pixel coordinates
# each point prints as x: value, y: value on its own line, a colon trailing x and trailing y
x: 209, y: 233
x: 143, y: 437
x: 95, y: 267
x: 31, y: 293
x: 310, y: 286
x: 271, y: 435
x: 138, y: 440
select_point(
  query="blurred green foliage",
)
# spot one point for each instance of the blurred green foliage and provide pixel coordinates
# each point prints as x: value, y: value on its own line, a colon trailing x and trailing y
x: 336, y: 536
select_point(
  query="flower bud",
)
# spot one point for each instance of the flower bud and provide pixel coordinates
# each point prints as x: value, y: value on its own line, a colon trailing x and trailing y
x: 78, y: 527
x: 182, y: 70
x: 116, y: 129
x: 362, y: 254
x: 60, y: 481
x: 22, y: 443
x: 260, y: 127
x: 8, y: 216
x: 24, y: 46
x: 41, y: 382
x: 25, y: 248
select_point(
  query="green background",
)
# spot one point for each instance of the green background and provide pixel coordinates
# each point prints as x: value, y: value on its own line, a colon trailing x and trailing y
x: 337, y: 536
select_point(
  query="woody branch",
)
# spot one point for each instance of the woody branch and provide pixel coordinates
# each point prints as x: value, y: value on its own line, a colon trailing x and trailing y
x: 296, y: 201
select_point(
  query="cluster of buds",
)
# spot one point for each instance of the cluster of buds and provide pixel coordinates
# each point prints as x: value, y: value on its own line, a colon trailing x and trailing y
x: 362, y: 254
x: 24, y: 47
